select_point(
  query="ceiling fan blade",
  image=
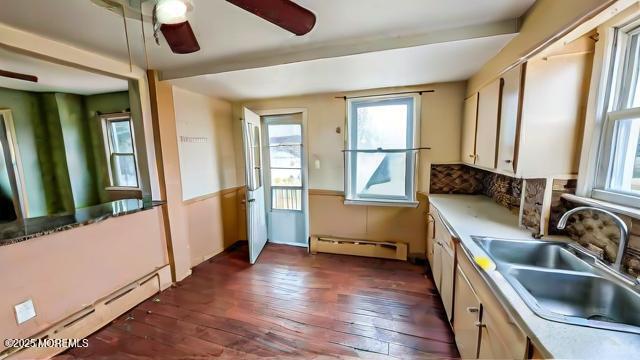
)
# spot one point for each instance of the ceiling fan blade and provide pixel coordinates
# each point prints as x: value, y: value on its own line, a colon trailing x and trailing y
x: 14, y: 75
x: 283, y: 13
x: 180, y: 37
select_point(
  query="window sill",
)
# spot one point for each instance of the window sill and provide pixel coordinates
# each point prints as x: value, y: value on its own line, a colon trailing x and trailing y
x: 620, y: 209
x: 122, y: 188
x: 409, y: 204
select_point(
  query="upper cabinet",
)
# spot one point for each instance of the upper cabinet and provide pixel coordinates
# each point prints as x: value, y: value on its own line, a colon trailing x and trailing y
x: 487, y: 127
x: 509, y: 118
x: 468, y: 149
x: 529, y: 120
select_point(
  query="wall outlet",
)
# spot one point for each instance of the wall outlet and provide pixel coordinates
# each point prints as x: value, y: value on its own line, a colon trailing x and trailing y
x: 25, y: 311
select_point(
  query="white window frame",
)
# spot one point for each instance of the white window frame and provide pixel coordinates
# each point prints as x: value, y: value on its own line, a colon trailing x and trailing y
x: 617, y: 89
x: 350, y: 177
x: 106, y: 121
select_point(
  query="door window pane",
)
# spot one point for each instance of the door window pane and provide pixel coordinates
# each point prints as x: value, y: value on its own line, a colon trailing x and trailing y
x: 257, y: 157
x: 285, y: 156
x: 286, y: 199
x: 286, y: 177
x: 285, y: 134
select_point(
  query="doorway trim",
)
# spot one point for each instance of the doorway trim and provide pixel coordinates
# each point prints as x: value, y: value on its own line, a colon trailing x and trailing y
x: 16, y: 159
x: 305, y: 159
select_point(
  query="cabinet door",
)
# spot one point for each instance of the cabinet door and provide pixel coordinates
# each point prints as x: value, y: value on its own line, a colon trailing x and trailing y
x: 468, y: 149
x: 467, y: 310
x: 500, y: 339
x: 487, y: 132
x: 436, y: 265
x: 509, y: 118
x: 431, y: 237
x: 446, y: 281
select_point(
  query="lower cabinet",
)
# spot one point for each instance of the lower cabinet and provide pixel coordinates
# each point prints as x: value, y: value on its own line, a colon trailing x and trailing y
x: 498, y: 337
x: 482, y: 327
x: 446, y: 282
x: 466, y: 323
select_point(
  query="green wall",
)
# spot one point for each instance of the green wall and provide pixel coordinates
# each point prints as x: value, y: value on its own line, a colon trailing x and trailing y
x: 25, y: 110
x: 60, y: 141
x: 78, y: 149
x: 94, y: 105
x: 53, y: 160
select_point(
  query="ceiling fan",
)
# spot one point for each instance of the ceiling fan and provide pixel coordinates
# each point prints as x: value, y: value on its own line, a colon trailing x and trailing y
x: 169, y: 17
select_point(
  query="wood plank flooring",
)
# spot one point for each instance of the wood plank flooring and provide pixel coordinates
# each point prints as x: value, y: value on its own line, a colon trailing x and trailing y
x: 288, y: 305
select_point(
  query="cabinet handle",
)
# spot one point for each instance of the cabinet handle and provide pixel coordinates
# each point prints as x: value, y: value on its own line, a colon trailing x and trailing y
x: 473, y: 309
x: 480, y: 324
x: 471, y: 156
x: 508, y: 161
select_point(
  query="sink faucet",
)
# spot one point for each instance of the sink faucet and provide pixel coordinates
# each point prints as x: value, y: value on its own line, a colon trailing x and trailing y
x: 622, y: 244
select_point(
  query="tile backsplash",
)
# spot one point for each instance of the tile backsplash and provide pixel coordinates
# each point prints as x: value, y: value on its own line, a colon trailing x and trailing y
x: 532, y: 204
x: 598, y: 232
x: 592, y: 230
x: 464, y: 179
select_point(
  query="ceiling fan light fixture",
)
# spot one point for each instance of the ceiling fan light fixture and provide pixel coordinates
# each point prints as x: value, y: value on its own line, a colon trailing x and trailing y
x: 172, y: 11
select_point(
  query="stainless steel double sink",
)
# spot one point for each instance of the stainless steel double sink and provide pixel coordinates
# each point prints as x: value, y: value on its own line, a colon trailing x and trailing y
x: 561, y: 282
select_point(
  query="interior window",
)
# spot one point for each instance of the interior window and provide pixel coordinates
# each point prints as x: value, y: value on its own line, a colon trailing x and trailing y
x: 618, y: 178
x: 121, y: 152
x: 379, y: 157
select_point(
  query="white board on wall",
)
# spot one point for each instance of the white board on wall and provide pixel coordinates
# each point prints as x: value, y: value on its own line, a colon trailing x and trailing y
x: 205, y: 143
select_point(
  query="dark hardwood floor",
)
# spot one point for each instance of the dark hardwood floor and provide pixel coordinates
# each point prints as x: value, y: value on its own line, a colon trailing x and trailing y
x: 288, y: 305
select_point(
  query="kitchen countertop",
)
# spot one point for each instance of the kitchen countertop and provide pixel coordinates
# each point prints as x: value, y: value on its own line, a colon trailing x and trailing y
x: 478, y: 215
x: 25, y: 229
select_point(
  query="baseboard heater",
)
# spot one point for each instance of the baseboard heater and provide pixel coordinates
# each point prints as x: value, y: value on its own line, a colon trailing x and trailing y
x: 345, y: 246
x: 94, y: 316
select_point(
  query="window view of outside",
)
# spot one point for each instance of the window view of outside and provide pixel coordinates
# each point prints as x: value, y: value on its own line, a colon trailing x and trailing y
x: 285, y: 158
x: 624, y: 175
x: 381, y: 126
x: 123, y: 160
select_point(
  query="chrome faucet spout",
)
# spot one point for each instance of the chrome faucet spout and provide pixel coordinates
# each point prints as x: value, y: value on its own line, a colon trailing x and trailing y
x: 624, y: 231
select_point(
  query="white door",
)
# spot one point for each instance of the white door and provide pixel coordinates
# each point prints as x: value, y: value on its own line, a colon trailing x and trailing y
x: 256, y: 218
x: 285, y: 185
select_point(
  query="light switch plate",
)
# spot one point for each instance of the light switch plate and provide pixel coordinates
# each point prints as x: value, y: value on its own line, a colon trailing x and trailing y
x: 25, y: 311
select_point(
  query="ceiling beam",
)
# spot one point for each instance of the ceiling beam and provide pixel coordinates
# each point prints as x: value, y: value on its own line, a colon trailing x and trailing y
x: 342, y: 48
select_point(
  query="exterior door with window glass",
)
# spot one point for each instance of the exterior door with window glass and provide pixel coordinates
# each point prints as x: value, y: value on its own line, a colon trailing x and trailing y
x: 256, y: 218
x: 286, y: 190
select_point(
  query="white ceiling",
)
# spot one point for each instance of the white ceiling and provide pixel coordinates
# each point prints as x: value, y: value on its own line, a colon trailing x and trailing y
x: 427, y: 64
x: 54, y: 77
x: 233, y: 39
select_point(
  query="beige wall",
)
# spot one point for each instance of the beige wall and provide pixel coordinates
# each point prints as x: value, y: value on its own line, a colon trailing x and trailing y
x: 543, y: 21
x: 67, y: 271
x: 441, y: 116
x: 206, y: 165
x: 205, y: 224
x: 440, y: 127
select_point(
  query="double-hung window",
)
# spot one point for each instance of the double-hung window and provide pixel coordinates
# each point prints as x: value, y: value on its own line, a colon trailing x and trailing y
x: 379, y: 155
x: 618, y: 172
x: 120, y: 149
